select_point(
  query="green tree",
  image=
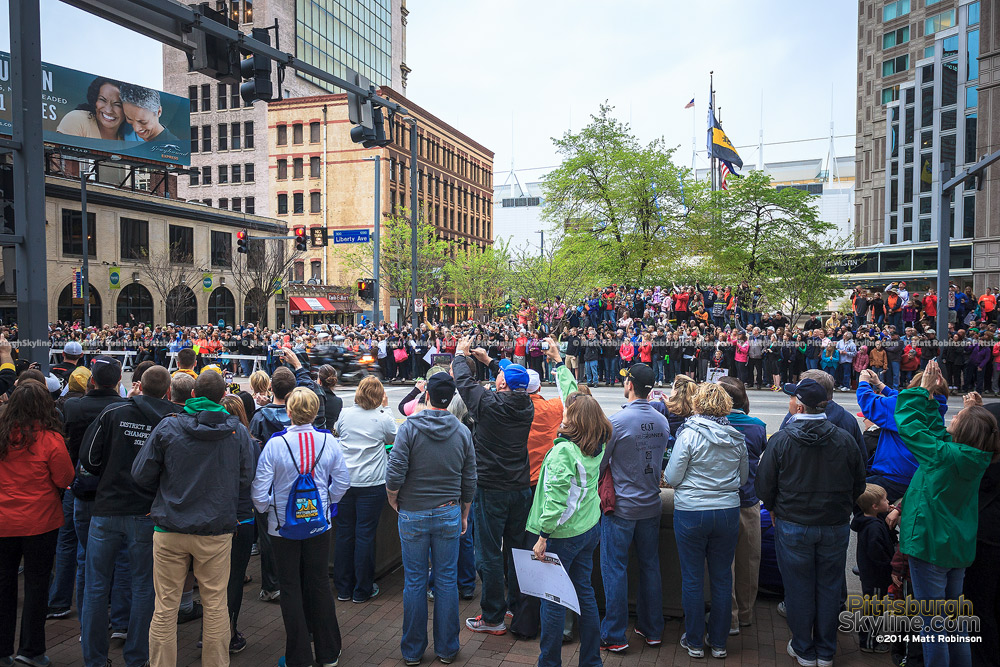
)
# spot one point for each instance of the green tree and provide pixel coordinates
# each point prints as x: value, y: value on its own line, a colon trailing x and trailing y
x: 480, y: 276
x: 623, y: 205
x: 556, y: 272
x: 800, y: 280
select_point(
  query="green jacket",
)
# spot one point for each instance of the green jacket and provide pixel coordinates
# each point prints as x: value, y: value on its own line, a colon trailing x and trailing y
x: 941, y: 506
x: 566, y: 502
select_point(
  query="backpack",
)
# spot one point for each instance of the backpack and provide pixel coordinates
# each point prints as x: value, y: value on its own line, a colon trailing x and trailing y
x: 304, y: 516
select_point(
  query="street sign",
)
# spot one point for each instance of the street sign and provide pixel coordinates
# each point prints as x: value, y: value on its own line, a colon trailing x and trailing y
x: 319, y: 237
x: 350, y: 236
x: 418, y: 305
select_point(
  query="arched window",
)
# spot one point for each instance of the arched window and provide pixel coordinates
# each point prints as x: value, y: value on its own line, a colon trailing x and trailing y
x: 135, y: 305
x: 69, y: 309
x: 182, y: 308
x: 222, y: 307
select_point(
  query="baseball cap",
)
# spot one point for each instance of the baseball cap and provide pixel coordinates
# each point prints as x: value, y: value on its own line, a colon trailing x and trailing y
x: 440, y: 390
x: 78, y: 379
x: 641, y: 375
x: 534, y: 382
x: 808, y: 391
x: 73, y: 348
x: 504, y: 363
x: 516, y: 377
x: 106, y: 370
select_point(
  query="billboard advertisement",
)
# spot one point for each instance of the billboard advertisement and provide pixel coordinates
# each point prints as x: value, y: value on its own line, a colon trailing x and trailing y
x: 97, y: 113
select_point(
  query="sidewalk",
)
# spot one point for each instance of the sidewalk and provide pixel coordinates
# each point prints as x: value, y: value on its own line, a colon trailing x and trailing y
x: 371, y: 634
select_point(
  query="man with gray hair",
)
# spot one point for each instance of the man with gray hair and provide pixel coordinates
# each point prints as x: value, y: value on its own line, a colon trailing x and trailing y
x: 142, y: 111
x: 835, y: 412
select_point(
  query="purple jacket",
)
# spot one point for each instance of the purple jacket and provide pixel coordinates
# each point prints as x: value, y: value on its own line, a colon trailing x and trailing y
x: 980, y: 355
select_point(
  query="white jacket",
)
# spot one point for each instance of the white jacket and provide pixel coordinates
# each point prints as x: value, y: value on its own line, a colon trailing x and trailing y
x: 707, y: 466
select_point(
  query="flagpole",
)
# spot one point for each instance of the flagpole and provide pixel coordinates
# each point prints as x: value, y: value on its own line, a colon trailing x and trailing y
x: 711, y: 112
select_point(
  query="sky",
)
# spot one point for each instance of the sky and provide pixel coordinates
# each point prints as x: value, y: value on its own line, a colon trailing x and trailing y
x: 513, y: 75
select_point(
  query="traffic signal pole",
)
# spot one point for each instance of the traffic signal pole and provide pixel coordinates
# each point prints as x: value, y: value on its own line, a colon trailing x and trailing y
x: 413, y: 222
x: 376, y: 307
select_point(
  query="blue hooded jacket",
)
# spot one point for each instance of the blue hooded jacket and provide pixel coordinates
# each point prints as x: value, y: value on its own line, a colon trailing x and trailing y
x: 755, y: 434
x: 893, y: 459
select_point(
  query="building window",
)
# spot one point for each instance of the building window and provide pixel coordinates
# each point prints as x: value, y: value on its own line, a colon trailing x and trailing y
x: 297, y: 133
x: 194, y: 176
x: 206, y: 97
x: 235, y: 169
x: 194, y: 138
x: 223, y: 142
x: 358, y: 35
x: 248, y: 172
x: 181, y: 244
x: 974, y: 13
x: 297, y: 168
x: 234, y: 96
x: 895, y: 65
x: 314, y: 133
x: 972, y: 54
x: 222, y: 96
x: 890, y: 94
x: 299, y: 274
x: 193, y: 97
x: 896, y: 37
x: 282, y: 169
x: 282, y: 135
x: 237, y: 204
x: 316, y: 270
x: 248, y: 205
x: 314, y: 167
x: 282, y: 204
x: 248, y: 134
x: 224, y: 203
x: 970, y: 138
x: 134, y: 239
x: 206, y: 202
x: 314, y: 202
x: 298, y: 203
x: 939, y: 22
x: 235, y: 136
x: 222, y: 249
x: 206, y: 175
x: 247, y: 11
x: 206, y: 138
x: 223, y: 173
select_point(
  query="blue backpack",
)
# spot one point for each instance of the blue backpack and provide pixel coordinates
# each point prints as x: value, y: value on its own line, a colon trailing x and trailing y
x: 304, y: 516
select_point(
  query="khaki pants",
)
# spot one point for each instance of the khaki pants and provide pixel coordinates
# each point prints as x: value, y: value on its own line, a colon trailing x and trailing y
x: 746, y: 566
x: 209, y: 555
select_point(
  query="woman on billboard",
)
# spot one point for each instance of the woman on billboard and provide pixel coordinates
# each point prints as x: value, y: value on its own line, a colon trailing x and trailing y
x: 101, y: 116
x: 142, y: 110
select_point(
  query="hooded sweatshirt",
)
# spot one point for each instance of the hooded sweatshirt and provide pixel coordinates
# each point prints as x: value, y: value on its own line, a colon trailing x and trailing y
x: 875, y: 550
x: 707, y: 466
x: 432, y: 462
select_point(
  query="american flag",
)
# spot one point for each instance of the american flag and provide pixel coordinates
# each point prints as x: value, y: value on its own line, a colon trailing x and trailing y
x: 724, y: 172
x: 689, y: 104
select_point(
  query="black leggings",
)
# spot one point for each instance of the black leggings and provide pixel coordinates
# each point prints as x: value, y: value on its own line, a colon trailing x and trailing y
x: 38, y: 552
x: 239, y: 558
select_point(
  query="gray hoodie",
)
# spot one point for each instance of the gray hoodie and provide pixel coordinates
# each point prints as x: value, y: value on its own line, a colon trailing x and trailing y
x: 432, y: 462
x: 708, y: 465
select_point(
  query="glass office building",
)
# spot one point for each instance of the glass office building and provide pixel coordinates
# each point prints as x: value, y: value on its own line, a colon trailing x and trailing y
x: 335, y: 35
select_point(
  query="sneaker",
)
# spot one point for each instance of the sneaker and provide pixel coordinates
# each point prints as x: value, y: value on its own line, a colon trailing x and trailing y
x: 255, y: 550
x: 508, y: 615
x: 37, y: 661
x: 693, y: 652
x: 188, y: 616
x: 718, y: 653
x: 802, y: 661
x: 446, y: 661
x: 119, y: 634
x: 237, y: 643
x: 477, y: 624
x: 823, y: 663
x: 734, y: 630
x: 270, y: 596
x: 375, y: 592
x: 411, y: 662
x: 340, y: 598
x: 781, y: 610
x: 325, y: 664
x: 614, y: 648
x: 58, y: 612
x: 468, y: 594
x: 649, y: 642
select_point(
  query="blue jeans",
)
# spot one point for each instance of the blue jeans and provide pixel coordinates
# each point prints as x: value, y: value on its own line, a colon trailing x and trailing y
x: 591, y: 374
x: 577, y: 556
x: 466, y: 560
x: 108, y: 536
x: 354, y: 552
x: 812, y: 363
x: 844, y: 374
x: 437, y: 530
x: 617, y: 535
x: 500, y: 519
x: 64, y: 576
x: 658, y: 369
x: 812, y: 561
x: 893, y: 374
x: 931, y: 582
x: 707, y: 536
x: 121, y: 589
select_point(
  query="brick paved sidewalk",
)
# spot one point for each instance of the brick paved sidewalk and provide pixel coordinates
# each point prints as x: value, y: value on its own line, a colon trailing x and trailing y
x: 371, y: 634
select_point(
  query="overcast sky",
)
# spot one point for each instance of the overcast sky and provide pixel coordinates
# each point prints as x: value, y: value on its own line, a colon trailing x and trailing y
x: 512, y: 75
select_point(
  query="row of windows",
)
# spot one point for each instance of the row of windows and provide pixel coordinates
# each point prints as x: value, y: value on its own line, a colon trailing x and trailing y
x: 298, y: 203
x: 134, y: 240
x: 896, y: 37
x: 229, y: 137
x: 239, y: 204
x: 298, y: 165
x: 433, y: 150
x: 443, y: 188
x: 298, y: 272
x: 297, y: 134
x: 939, y: 22
x: 476, y: 224
x: 240, y: 11
x: 893, y: 10
x: 226, y: 96
x: 228, y: 173
x: 334, y: 35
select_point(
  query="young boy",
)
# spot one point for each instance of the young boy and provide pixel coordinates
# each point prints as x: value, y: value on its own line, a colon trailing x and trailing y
x: 876, y: 546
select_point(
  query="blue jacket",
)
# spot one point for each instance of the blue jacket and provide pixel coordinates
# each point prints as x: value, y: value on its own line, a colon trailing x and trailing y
x: 755, y: 434
x: 892, y: 458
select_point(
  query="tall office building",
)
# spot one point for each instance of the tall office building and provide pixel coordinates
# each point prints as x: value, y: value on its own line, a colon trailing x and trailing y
x: 229, y: 138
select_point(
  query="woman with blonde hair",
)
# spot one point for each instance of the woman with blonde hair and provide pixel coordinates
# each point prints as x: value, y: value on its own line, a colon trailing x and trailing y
x: 365, y: 430
x: 707, y: 466
x: 679, y: 405
x: 260, y: 384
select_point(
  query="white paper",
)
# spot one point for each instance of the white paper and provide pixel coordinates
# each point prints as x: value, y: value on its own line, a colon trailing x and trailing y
x: 715, y: 373
x: 430, y: 355
x: 547, y: 580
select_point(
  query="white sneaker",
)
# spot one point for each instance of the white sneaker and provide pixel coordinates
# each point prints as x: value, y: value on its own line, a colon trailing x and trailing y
x: 781, y: 609
x: 823, y: 663
x: 693, y: 652
x: 802, y: 661
x: 719, y: 653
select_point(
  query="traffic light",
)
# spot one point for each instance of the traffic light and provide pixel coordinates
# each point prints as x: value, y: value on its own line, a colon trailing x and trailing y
x: 300, y: 239
x: 241, y: 241
x: 319, y: 237
x: 213, y: 56
x: 366, y: 289
x: 256, y: 72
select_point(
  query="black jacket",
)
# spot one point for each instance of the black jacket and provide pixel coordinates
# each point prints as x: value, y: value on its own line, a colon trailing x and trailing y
x: 875, y: 550
x: 591, y: 350
x: 109, y: 449
x: 197, y: 465
x: 333, y: 404
x: 503, y: 419
x: 811, y: 473
x: 80, y: 413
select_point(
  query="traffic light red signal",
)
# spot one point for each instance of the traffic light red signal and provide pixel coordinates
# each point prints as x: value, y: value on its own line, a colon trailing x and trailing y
x: 241, y: 241
x: 366, y: 290
x: 300, y: 239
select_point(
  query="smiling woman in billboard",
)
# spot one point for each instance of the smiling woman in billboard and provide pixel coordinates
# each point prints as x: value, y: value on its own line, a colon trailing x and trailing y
x: 142, y: 110
x: 101, y: 116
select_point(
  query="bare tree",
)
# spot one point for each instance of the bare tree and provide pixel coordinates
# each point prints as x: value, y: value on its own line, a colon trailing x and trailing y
x: 167, y: 272
x: 261, y: 272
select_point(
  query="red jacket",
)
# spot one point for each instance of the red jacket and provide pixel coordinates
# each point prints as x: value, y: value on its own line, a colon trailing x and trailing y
x: 30, y: 480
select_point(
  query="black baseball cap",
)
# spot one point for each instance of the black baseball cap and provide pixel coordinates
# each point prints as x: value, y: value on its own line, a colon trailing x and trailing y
x: 641, y: 375
x: 440, y: 390
x: 809, y: 392
x: 106, y: 370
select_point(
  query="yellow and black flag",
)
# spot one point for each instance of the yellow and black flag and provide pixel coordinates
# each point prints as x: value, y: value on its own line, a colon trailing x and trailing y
x: 719, y: 145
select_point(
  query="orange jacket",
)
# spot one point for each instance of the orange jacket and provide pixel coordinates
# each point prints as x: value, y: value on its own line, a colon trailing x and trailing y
x: 544, y: 429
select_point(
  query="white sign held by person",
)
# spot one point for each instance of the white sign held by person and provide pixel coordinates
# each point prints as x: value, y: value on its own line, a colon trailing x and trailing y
x: 545, y: 579
x: 715, y: 373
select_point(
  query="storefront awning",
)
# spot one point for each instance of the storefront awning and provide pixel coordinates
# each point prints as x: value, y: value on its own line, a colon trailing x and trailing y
x: 302, y: 305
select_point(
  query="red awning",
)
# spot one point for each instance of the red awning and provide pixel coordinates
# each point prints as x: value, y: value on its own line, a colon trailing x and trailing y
x: 309, y: 304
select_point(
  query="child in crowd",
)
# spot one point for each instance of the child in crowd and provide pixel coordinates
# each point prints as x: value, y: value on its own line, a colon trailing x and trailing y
x: 876, y: 546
